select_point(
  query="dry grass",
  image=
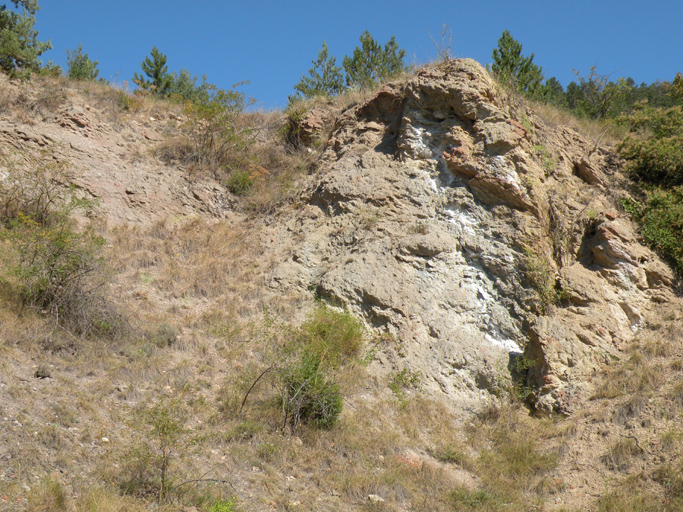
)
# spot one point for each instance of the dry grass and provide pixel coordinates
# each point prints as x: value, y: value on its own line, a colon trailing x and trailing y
x: 620, y: 455
x: 639, y: 374
x: 515, y: 456
x: 183, y: 262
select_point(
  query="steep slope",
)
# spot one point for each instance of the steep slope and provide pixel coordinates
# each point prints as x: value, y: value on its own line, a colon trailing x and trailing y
x: 485, y: 251
x: 108, y: 148
x: 475, y: 234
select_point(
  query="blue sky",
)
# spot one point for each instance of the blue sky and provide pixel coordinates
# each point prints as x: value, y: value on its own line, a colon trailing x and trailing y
x: 272, y: 43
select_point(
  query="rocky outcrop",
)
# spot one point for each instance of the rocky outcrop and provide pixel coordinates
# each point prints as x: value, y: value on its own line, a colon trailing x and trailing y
x: 475, y: 234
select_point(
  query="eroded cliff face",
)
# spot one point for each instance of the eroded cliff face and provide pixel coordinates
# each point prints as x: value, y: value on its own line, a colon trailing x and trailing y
x: 473, y: 233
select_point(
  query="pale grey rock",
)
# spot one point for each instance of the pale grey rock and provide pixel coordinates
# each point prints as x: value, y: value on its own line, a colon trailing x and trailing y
x: 431, y: 199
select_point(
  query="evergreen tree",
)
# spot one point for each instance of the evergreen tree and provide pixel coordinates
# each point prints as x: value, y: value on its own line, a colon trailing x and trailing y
x: 80, y: 65
x: 325, y: 78
x: 512, y: 68
x: 158, y: 80
x: 371, y: 63
x: 19, y: 46
x: 552, y: 91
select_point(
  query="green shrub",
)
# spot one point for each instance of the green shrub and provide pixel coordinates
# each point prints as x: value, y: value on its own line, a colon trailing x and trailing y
x: 60, y: 269
x: 224, y: 506
x: 184, y: 86
x: 399, y: 382
x: 240, y: 182
x: 332, y: 336
x: 163, y: 439
x: 61, y: 272
x: 655, y: 153
x: 218, y: 139
x: 305, y: 370
x: 540, y: 275
x: 308, y: 395
x: 660, y: 216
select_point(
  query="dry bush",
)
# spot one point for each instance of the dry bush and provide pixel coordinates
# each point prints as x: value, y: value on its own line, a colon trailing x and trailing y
x: 195, y: 258
x: 49, y: 101
x: 635, y: 501
x: 104, y: 500
x: 675, y: 394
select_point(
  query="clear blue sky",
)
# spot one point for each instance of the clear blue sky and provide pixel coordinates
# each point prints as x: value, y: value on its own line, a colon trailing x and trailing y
x: 271, y: 43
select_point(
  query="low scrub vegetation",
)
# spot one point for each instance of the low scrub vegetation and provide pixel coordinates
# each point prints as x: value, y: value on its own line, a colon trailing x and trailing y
x: 57, y: 269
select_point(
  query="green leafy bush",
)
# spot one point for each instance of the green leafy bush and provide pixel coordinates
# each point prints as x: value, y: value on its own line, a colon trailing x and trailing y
x: 326, y: 340
x: 661, y: 219
x: 307, y: 369
x: 184, y: 86
x: 333, y: 336
x: 308, y: 395
x: 60, y: 269
x: 655, y: 153
x: 224, y: 506
x: 148, y: 467
x: 240, y: 182
x: 540, y: 275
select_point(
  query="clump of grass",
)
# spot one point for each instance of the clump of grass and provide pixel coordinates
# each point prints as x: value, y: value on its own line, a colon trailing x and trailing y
x: 477, y: 499
x: 50, y: 496
x: 165, y: 335
x: 512, y: 460
x: 620, y: 454
x: 635, y: 376
x: 309, y: 395
x: 401, y: 381
x: 540, y: 275
x: 547, y: 161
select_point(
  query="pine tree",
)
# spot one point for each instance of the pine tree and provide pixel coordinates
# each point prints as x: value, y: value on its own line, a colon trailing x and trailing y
x: 552, y: 91
x: 80, y: 65
x: 325, y: 78
x: 19, y: 46
x: 371, y: 63
x: 158, y: 80
x: 512, y: 68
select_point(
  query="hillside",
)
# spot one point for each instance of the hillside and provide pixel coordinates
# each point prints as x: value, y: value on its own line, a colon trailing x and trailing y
x: 452, y: 266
